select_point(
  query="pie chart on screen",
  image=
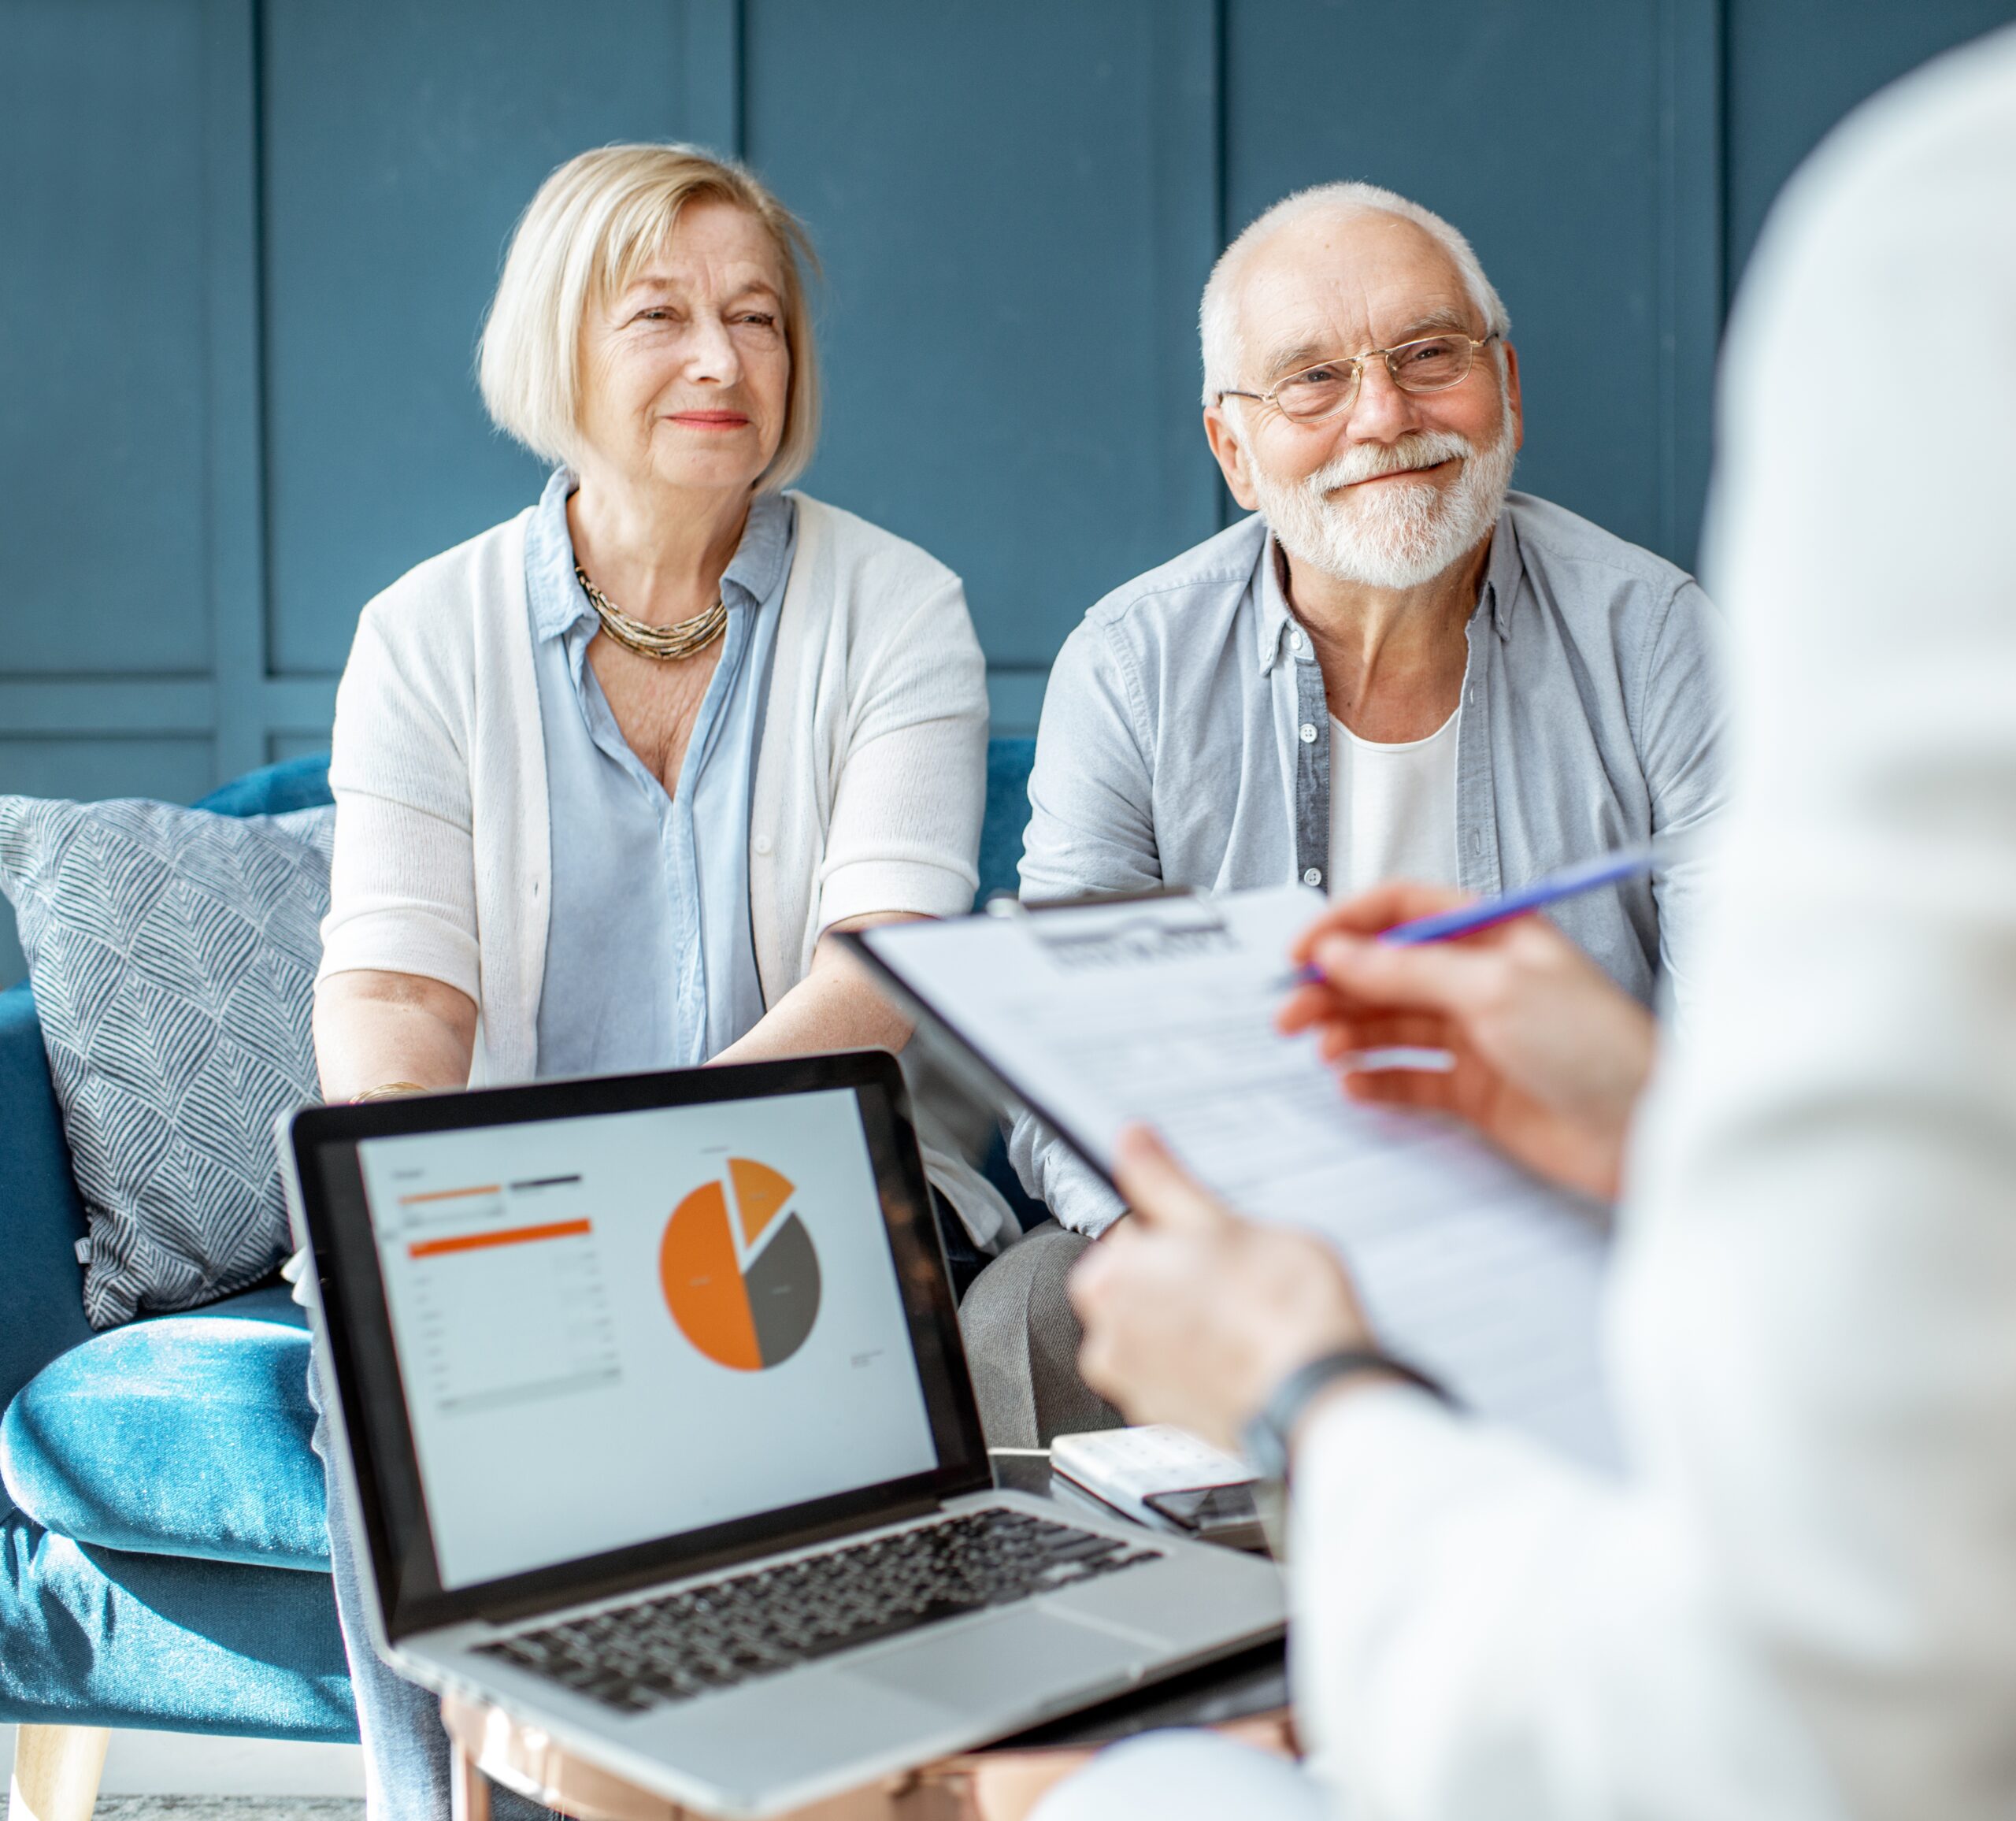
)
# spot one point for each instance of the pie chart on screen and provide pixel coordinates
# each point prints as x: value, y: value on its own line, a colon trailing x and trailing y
x: 740, y: 1276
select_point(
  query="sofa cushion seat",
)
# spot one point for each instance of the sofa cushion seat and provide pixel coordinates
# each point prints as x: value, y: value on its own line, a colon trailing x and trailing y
x: 180, y: 1435
x: 95, y: 1638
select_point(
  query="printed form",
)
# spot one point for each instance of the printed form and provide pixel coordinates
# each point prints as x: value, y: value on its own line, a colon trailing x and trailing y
x: 1161, y: 1010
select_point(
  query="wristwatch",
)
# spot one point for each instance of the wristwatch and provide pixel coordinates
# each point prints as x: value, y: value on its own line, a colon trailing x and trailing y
x: 1265, y: 1440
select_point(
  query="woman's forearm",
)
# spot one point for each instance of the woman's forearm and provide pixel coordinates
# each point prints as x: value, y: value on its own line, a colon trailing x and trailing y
x: 836, y: 1006
x: 372, y: 1029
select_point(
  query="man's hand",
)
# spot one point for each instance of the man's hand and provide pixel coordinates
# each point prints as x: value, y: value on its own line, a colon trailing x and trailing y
x: 1550, y: 1055
x: 1193, y: 1315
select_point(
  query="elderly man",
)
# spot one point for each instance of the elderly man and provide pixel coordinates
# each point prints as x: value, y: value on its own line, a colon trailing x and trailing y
x: 1795, y: 1602
x: 1393, y: 668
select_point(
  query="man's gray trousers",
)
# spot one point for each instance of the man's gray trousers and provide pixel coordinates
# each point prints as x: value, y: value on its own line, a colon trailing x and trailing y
x: 1021, y: 1337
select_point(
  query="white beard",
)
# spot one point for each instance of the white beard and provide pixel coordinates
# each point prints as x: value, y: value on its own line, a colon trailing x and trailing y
x: 1408, y: 532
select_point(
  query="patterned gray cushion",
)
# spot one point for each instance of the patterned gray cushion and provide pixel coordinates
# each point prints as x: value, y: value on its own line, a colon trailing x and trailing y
x: 172, y: 954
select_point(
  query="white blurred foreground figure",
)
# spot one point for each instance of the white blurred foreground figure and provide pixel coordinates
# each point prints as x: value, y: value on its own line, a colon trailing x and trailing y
x: 1801, y: 1602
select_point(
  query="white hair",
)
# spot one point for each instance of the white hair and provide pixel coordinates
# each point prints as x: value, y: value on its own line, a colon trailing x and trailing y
x: 1217, y: 316
x: 583, y: 237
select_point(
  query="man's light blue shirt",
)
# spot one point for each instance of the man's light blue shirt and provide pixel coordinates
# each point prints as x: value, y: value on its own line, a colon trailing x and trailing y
x: 650, y: 961
x: 1185, y: 742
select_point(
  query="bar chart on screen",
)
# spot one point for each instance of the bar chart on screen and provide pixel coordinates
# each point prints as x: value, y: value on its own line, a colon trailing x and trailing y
x: 507, y: 1303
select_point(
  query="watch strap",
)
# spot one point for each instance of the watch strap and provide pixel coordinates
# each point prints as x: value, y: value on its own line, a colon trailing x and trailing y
x: 1265, y: 1438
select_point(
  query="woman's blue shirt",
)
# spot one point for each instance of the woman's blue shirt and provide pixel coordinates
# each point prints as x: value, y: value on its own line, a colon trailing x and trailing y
x: 650, y: 963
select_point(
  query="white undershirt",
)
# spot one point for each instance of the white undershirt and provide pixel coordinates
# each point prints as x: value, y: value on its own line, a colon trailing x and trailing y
x: 1392, y: 809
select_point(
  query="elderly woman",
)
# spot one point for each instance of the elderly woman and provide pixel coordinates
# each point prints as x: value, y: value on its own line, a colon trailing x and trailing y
x: 609, y: 774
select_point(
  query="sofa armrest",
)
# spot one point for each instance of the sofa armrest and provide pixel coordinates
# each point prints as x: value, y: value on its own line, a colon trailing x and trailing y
x: 42, y: 1218
x: 41, y: 1285
x: 294, y: 783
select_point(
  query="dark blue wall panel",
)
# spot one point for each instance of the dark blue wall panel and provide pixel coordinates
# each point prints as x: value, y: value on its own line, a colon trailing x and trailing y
x: 245, y: 246
x: 400, y: 145
x: 1539, y: 133
x: 102, y: 339
x: 1796, y: 66
x: 1016, y: 206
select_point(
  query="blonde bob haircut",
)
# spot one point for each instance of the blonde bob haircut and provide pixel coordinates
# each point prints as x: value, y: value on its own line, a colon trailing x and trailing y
x: 588, y: 231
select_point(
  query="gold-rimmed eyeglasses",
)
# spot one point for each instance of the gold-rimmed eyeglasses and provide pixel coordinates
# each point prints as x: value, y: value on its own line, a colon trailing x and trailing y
x: 1432, y: 364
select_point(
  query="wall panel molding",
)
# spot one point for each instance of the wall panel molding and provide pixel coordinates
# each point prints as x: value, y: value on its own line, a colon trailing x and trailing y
x: 297, y: 703
x: 237, y: 529
x: 714, y: 75
x: 107, y: 705
x: 1693, y: 206
x: 1189, y: 202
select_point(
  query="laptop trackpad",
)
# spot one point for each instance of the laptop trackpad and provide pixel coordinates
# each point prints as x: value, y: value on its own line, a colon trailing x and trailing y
x: 998, y: 1663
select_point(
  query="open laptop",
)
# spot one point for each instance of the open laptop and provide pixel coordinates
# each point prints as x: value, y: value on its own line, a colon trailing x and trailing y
x: 650, y: 1406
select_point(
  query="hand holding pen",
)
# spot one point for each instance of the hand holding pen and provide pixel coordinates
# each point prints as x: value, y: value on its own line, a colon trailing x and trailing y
x: 1535, y: 1047
x: 1464, y: 916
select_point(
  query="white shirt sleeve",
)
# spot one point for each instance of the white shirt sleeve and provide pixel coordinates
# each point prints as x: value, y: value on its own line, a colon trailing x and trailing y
x: 904, y: 833
x: 402, y: 874
x: 1799, y: 1605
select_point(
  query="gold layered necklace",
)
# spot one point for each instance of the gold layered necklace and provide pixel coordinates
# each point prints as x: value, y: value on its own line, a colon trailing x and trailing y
x: 680, y: 640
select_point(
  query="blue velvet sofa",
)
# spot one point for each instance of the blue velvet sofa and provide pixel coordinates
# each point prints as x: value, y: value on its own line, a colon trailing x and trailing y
x: 163, y: 1560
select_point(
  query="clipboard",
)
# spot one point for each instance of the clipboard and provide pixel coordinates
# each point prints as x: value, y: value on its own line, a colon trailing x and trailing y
x: 1434, y: 1223
x: 959, y: 1054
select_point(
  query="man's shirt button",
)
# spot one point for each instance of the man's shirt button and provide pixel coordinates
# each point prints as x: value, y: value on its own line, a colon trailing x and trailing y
x: 1308, y: 733
x: 1312, y: 876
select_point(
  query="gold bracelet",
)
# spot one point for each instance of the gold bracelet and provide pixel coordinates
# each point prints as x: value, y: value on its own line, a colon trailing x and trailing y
x: 387, y: 1090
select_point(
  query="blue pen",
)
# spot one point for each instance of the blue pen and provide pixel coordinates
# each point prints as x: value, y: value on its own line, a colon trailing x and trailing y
x: 1549, y: 889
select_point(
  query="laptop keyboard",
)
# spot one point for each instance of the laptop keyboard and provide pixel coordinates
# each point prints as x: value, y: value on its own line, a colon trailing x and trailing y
x: 721, y: 1633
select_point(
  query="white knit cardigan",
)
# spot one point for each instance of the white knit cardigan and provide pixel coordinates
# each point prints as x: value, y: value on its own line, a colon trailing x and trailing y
x: 871, y: 778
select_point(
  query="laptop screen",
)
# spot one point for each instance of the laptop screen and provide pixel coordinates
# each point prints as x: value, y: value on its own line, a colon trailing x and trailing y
x: 615, y: 1328
x: 686, y: 1315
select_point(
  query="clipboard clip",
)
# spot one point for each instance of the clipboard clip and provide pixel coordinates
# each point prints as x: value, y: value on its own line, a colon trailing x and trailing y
x: 1007, y: 904
x: 1119, y: 940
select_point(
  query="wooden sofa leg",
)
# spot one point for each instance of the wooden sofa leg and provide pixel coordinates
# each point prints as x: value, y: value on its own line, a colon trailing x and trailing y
x: 56, y: 1772
x: 468, y: 1788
